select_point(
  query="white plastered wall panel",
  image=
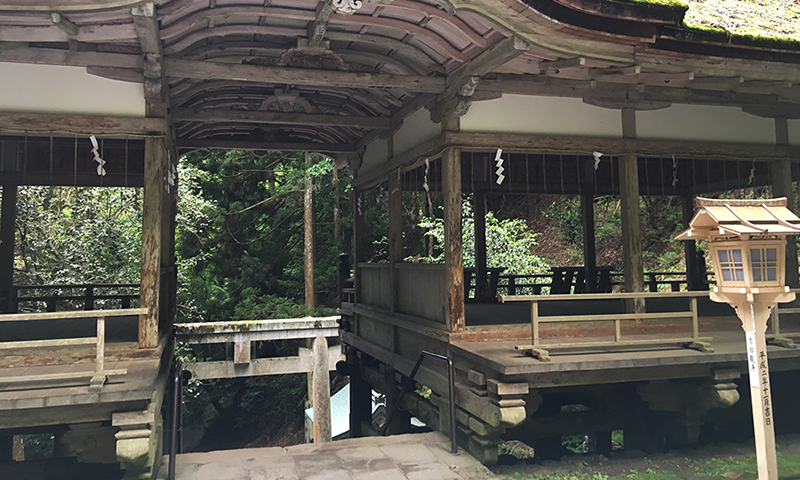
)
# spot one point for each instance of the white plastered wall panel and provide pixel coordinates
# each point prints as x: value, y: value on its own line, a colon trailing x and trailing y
x: 375, y: 154
x: 704, y: 122
x: 416, y: 129
x: 69, y: 90
x: 794, y: 132
x: 542, y: 115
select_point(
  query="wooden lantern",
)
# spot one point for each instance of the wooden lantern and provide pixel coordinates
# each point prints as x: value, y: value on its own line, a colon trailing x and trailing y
x: 747, y: 239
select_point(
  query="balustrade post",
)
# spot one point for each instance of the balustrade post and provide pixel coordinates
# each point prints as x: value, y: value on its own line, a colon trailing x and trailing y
x: 88, y: 303
x: 512, y: 285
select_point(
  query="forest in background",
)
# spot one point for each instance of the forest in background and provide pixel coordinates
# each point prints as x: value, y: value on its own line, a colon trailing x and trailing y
x: 239, y: 244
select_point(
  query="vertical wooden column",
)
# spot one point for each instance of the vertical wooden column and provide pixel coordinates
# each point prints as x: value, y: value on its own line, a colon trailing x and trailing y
x: 453, y: 236
x: 154, y: 151
x: 781, y: 175
x: 395, y: 230
x: 629, y: 208
x: 310, y: 235
x: 168, y: 284
x: 359, y: 237
x: 321, y: 391
x: 479, y: 210
x: 8, y: 218
x: 589, y: 252
x: 695, y: 280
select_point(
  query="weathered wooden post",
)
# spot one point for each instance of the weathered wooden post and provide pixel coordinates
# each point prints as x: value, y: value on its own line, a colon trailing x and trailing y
x: 321, y: 390
x: 747, y: 239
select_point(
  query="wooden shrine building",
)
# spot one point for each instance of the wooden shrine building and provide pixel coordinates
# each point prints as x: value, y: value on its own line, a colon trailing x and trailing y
x: 578, y: 97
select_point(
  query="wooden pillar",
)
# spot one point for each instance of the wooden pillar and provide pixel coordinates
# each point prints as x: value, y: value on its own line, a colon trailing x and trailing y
x: 453, y: 236
x: 395, y: 230
x: 589, y: 252
x: 310, y: 235
x: 695, y: 279
x: 479, y: 209
x: 8, y: 217
x: 359, y: 237
x: 781, y: 175
x: 321, y: 391
x: 630, y: 211
x: 154, y: 151
x: 401, y: 422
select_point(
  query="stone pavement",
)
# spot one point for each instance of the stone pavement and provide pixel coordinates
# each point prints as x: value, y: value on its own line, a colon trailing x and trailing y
x: 422, y: 456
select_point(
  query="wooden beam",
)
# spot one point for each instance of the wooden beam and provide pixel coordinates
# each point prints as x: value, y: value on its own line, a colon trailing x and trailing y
x: 556, y: 65
x: 54, y: 56
x: 493, y: 57
x: 620, y: 103
x: 453, y: 237
x: 317, y: 28
x: 789, y: 112
x: 146, y: 26
x: 579, y: 145
x: 63, y: 23
x: 204, y: 70
x: 64, y: 5
x: 13, y: 122
x: 198, y: 143
x: 278, y: 118
x: 155, y: 150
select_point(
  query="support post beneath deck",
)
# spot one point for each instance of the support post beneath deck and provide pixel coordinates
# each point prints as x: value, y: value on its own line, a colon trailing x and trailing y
x: 154, y: 152
x: 479, y: 210
x: 781, y: 175
x: 8, y: 217
x: 453, y: 237
x: 695, y: 266
x: 360, y: 396
x: 630, y: 212
x: 589, y: 252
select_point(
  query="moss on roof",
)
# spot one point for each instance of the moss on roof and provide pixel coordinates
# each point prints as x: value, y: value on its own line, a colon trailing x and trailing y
x: 767, y: 20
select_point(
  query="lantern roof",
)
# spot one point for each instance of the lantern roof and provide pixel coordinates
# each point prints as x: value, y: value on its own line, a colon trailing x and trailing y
x: 743, y: 218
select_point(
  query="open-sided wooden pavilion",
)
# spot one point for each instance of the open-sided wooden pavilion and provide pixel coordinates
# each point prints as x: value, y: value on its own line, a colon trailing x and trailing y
x: 388, y: 88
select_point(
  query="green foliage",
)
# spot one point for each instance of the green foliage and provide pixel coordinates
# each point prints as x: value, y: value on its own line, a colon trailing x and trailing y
x: 77, y: 235
x: 567, y: 213
x: 509, y: 242
x: 240, y: 247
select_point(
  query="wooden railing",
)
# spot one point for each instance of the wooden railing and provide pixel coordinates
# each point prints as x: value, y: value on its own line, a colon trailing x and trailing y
x: 99, y: 375
x: 422, y: 290
x: 541, y: 283
x: 86, y: 294
x: 538, y: 351
x: 775, y: 335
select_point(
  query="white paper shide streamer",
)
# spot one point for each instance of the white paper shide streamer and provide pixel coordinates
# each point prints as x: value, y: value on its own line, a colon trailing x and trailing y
x: 499, y: 164
x: 100, y: 162
x: 425, y: 180
x: 596, y: 156
x: 674, y: 171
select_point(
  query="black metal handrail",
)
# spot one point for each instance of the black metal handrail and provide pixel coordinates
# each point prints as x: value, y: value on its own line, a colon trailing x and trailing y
x: 177, y: 400
x: 451, y: 380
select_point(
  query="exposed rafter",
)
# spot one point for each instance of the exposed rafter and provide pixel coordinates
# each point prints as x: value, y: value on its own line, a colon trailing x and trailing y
x: 278, y: 118
x: 300, y: 76
x: 192, y: 143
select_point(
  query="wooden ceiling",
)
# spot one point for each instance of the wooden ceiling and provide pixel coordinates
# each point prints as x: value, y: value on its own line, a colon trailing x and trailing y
x: 303, y: 74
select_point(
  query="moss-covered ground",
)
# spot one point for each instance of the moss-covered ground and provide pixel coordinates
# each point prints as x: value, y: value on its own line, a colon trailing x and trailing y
x: 720, y: 462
